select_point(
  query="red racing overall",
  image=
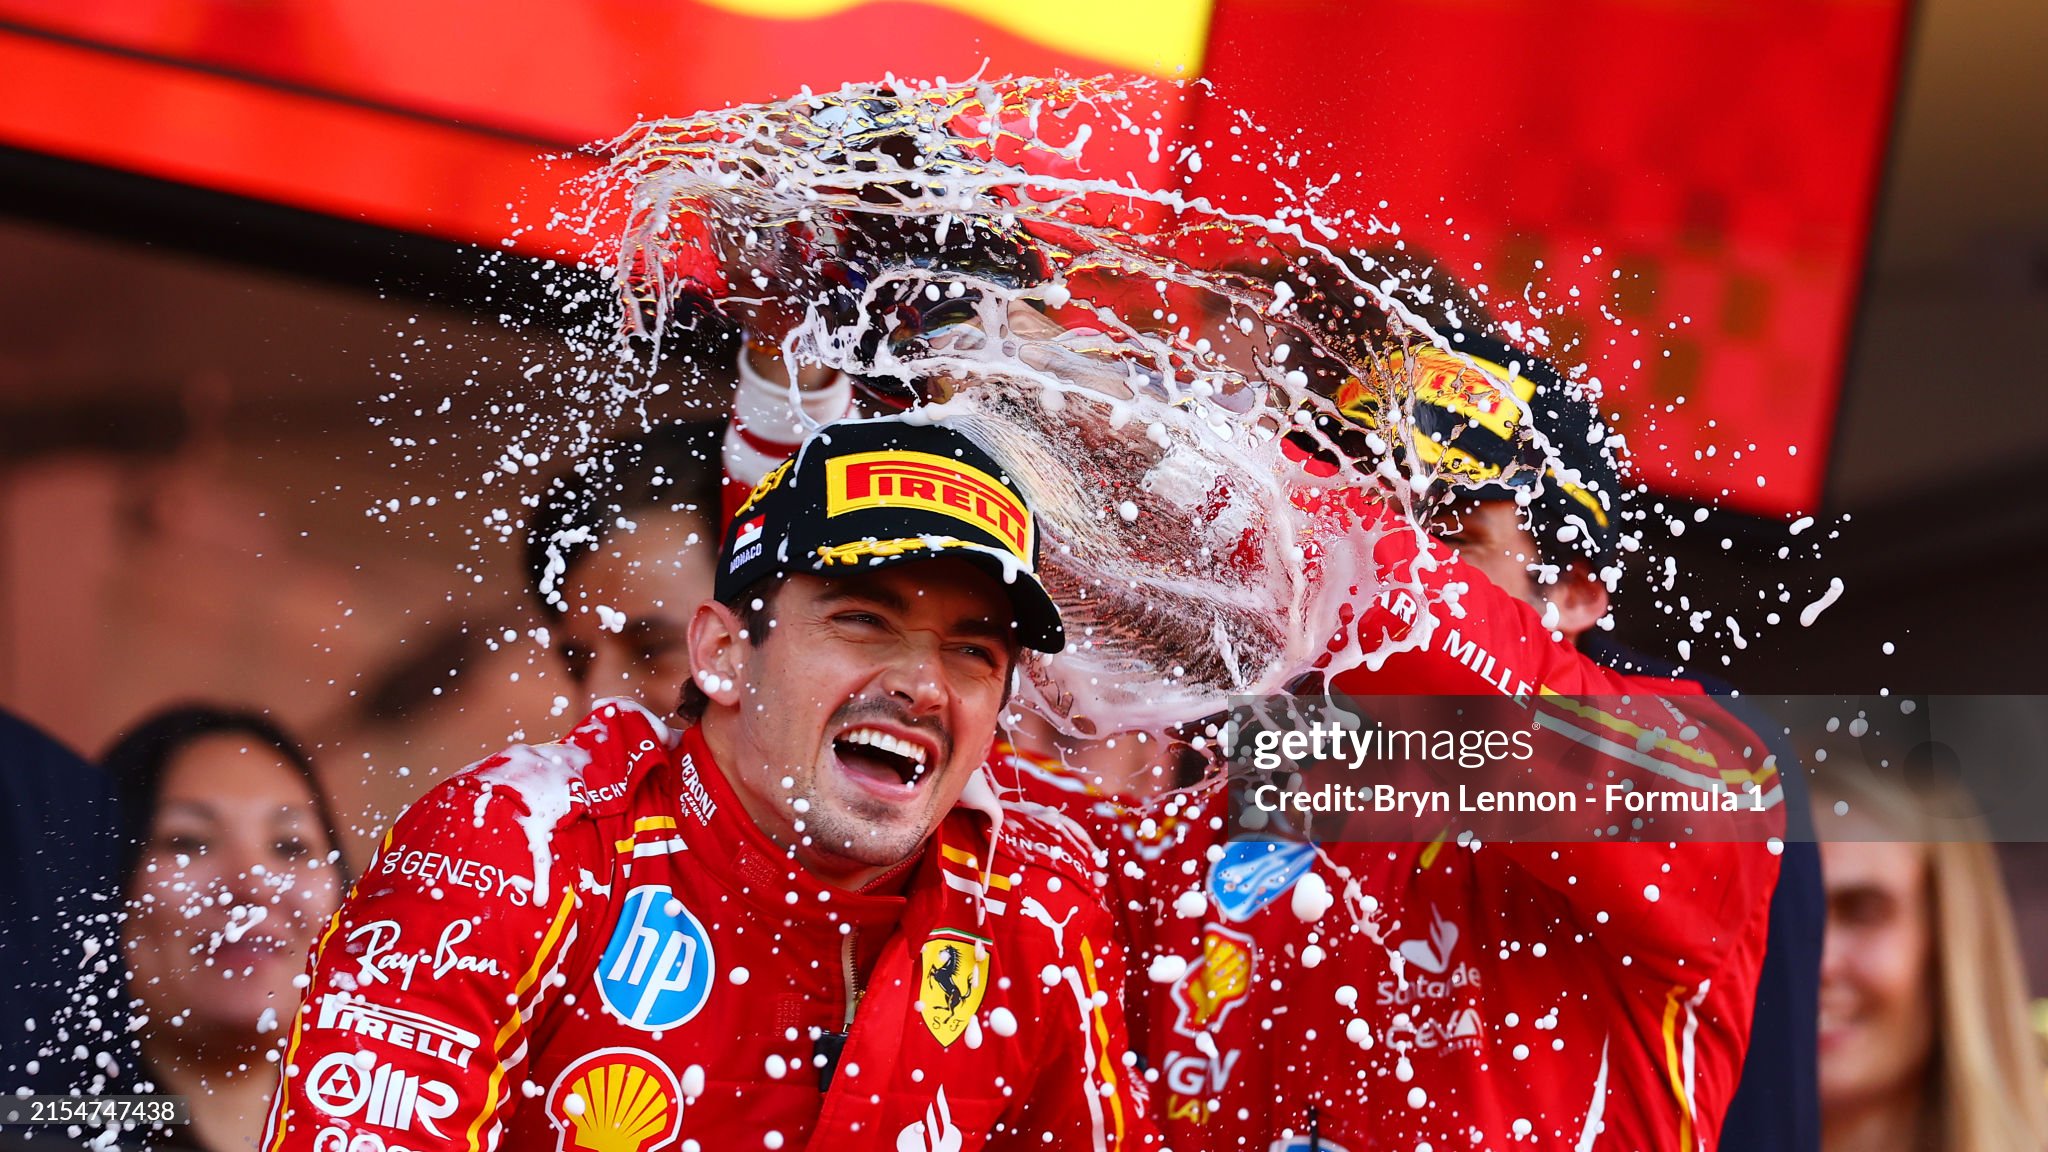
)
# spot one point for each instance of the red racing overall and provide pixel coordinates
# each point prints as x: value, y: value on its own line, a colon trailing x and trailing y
x: 1586, y: 996
x: 589, y: 945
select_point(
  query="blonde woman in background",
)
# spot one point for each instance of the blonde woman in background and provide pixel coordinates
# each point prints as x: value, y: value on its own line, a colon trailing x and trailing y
x: 1925, y: 1043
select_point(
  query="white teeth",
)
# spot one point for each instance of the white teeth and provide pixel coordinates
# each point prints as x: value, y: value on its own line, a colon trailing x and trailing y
x: 886, y: 743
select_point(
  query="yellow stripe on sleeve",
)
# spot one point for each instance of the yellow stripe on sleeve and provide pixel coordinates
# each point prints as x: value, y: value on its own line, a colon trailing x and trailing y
x: 1104, y: 1064
x: 281, y: 1108
x: 511, y: 1025
x: 1673, y: 1069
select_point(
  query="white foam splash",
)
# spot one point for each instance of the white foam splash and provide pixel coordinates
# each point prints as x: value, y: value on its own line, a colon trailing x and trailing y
x: 542, y: 777
x: 1811, y: 612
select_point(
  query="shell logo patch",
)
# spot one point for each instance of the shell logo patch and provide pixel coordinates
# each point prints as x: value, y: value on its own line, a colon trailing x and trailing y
x: 1214, y: 984
x: 953, y: 975
x: 615, y: 1100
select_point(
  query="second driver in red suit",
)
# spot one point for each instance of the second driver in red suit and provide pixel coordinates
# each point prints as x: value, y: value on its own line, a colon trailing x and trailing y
x: 799, y: 921
x: 1447, y: 994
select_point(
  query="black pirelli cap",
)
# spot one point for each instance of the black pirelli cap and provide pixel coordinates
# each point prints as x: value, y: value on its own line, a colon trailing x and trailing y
x: 866, y: 494
x: 1474, y: 414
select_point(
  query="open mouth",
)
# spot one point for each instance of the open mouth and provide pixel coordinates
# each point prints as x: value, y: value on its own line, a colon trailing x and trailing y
x: 882, y: 757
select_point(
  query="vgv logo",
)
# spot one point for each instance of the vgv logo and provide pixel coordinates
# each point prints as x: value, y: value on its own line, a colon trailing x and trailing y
x: 656, y: 971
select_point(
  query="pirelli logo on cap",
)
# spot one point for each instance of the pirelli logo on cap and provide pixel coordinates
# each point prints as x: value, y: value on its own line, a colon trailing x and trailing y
x: 1479, y: 396
x: 894, y: 479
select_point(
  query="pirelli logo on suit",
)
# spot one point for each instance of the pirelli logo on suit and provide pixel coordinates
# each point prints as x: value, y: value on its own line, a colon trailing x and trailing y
x: 933, y: 484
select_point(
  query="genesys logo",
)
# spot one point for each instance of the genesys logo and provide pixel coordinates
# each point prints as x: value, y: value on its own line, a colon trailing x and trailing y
x: 440, y: 870
x: 657, y: 969
x: 616, y: 1100
x: 355, y: 1086
x: 412, y: 1031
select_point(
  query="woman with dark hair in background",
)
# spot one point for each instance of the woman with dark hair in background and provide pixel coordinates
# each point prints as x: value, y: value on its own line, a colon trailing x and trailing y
x: 1924, y: 1039
x: 230, y: 868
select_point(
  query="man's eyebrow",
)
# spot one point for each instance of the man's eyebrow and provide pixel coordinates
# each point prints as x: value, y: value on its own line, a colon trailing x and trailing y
x: 878, y: 594
x: 883, y: 596
x: 983, y: 628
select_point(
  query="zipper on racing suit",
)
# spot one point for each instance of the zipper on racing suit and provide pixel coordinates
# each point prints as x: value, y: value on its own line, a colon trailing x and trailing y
x: 828, y: 1046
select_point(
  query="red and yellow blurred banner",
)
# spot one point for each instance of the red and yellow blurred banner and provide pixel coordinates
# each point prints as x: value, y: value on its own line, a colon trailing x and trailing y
x: 1701, y: 173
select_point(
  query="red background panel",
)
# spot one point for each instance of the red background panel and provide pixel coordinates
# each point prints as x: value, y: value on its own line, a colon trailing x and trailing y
x: 435, y: 118
x: 1722, y: 157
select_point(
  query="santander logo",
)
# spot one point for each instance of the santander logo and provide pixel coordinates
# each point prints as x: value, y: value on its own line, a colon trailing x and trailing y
x: 1436, y: 975
x: 1434, y: 954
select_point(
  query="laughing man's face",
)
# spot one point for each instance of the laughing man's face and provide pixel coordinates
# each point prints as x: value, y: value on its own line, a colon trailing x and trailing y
x: 867, y: 708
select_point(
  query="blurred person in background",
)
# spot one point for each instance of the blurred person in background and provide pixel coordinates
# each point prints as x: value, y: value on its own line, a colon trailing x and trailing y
x: 1924, y: 1038
x: 230, y: 866
x: 620, y: 550
x: 620, y: 554
x: 63, y: 1021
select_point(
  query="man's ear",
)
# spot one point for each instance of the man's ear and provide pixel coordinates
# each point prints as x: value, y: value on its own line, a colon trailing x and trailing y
x: 718, y: 654
x: 1579, y: 597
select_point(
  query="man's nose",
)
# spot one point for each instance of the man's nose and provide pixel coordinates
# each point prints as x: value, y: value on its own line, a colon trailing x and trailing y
x: 916, y: 673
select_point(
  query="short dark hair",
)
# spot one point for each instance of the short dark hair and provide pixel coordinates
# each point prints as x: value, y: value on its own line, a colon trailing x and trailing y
x: 675, y: 468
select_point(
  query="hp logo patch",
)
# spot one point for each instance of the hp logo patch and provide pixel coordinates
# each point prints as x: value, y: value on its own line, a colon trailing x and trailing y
x: 1253, y: 873
x: 656, y: 971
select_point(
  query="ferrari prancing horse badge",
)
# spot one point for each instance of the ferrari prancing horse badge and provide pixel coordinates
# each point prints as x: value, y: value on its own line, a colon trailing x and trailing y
x: 955, y: 974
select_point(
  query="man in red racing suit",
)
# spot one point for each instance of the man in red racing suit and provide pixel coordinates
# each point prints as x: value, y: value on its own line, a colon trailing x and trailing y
x: 1448, y: 994
x: 598, y: 944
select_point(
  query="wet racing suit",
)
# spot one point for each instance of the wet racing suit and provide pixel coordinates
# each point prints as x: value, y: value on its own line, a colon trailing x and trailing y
x: 1582, y: 995
x: 589, y: 945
